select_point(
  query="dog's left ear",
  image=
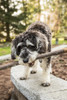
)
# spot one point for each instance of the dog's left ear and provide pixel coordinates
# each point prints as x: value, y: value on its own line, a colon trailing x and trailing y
x: 41, y: 47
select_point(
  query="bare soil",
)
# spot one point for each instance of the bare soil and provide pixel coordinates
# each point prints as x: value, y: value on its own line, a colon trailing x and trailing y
x: 6, y: 86
x: 59, y: 67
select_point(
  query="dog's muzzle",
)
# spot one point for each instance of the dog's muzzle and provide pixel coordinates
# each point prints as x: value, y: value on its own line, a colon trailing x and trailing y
x: 26, y: 60
x: 25, y: 56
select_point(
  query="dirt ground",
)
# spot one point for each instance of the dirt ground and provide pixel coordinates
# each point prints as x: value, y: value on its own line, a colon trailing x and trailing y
x: 59, y: 66
x: 6, y: 86
x: 59, y: 69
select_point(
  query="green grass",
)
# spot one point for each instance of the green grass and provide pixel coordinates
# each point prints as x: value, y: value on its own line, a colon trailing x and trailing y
x: 5, y: 49
x: 61, y: 41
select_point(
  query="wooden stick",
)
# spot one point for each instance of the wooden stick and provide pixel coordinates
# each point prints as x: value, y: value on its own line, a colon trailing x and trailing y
x: 8, y: 65
x: 48, y: 54
x: 53, y: 53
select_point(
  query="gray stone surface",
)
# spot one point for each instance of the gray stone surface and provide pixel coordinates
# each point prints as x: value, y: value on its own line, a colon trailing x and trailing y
x: 5, y: 57
x: 32, y: 90
x: 59, y: 47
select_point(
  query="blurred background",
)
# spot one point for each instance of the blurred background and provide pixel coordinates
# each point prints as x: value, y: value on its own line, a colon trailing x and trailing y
x: 17, y: 15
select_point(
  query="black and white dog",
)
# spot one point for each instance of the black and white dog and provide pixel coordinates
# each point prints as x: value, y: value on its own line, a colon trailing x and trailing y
x: 35, y: 40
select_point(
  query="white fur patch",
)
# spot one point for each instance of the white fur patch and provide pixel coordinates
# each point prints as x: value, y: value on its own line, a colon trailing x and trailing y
x: 46, y: 71
x: 29, y: 43
x: 33, y: 56
x: 19, y: 44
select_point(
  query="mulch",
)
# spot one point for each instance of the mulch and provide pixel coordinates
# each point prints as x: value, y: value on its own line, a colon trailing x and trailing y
x: 59, y: 66
x: 6, y: 86
x: 59, y: 69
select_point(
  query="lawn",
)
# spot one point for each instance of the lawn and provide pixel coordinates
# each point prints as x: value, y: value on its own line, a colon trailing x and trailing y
x: 60, y: 42
x: 5, y: 48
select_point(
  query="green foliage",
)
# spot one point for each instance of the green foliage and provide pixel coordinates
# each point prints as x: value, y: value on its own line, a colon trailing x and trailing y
x: 59, y: 8
x: 29, y: 9
x: 12, y: 23
x: 62, y: 13
x: 8, y: 22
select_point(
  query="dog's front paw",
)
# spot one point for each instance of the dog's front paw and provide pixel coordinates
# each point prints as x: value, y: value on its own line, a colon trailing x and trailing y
x: 45, y: 84
x: 33, y: 72
x: 22, y: 78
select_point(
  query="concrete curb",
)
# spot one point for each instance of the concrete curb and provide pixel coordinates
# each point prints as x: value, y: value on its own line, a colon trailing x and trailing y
x: 5, y: 57
x: 59, y: 47
x: 32, y: 90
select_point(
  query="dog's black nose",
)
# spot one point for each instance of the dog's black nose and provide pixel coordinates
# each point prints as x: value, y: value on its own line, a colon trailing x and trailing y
x: 25, y: 60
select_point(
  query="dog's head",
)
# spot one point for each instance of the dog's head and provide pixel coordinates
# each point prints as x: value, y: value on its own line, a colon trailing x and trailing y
x: 28, y: 45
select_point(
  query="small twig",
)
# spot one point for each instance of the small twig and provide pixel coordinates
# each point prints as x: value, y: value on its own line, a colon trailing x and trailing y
x: 8, y: 65
x: 48, y: 54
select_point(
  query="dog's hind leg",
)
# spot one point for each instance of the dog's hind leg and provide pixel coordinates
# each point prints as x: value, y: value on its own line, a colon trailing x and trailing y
x: 46, y: 72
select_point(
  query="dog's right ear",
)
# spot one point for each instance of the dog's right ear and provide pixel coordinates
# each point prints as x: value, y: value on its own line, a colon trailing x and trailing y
x: 18, y: 49
x: 15, y: 45
x: 13, y: 51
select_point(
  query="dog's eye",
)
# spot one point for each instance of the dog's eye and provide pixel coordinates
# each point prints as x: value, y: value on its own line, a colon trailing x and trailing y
x: 31, y: 47
x: 23, y: 45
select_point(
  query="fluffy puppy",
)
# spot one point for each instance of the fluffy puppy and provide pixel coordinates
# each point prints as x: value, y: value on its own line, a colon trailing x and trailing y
x: 36, y: 40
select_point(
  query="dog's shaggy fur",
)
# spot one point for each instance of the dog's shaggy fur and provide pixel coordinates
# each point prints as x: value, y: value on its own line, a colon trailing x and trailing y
x: 35, y: 40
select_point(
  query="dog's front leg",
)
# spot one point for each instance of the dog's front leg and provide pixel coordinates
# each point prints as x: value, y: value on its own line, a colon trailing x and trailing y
x: 26, y: 73
x: 46, y: 73
x: 35, y: 66
x: 46, y: 77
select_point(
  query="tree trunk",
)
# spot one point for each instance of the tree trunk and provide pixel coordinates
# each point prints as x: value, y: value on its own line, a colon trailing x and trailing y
x: 39, y: 13
x: 8, y: 25
x: 8, y: 32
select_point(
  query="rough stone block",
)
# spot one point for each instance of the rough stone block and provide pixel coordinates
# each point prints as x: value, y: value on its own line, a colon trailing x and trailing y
x: 32, y: 89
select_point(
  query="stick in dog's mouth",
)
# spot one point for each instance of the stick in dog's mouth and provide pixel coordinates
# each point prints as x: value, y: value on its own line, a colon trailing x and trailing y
x: 48, y: 54
x: 32, y: 63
